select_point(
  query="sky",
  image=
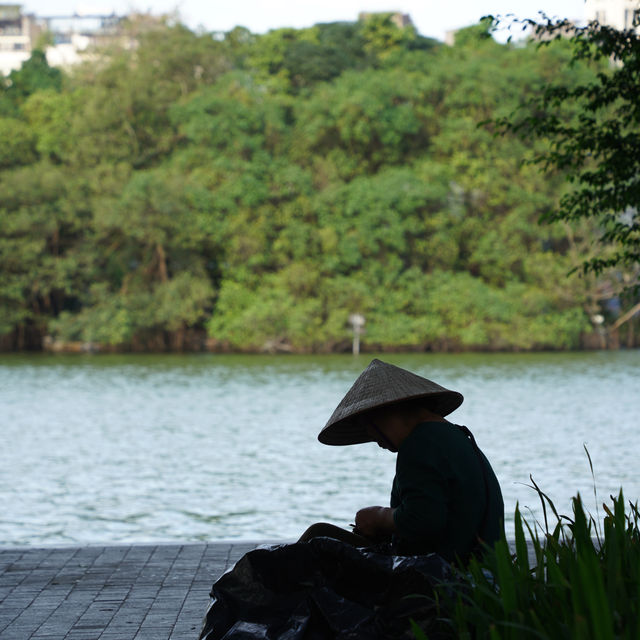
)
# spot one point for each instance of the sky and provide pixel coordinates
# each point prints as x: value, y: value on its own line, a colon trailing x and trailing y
x: 432, y: 18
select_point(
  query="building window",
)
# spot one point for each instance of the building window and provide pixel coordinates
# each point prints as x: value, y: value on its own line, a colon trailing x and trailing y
x: 601, y: 17
x: 18, y: 46
x: 631, y: 18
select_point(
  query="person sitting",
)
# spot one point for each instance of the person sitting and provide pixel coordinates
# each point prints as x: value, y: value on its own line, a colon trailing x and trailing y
x: 445, y: 497
x: 445, y: 505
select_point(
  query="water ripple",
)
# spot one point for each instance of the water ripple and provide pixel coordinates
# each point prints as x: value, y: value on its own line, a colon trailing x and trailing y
x: 149, y: 448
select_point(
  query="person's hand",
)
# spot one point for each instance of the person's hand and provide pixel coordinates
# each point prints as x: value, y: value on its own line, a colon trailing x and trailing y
x: 375, y: 522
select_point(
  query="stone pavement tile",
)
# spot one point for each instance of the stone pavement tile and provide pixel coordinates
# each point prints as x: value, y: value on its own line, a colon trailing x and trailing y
x: 153, y: 633
x: 186, y: 633
x: 209, y: 563
x: 176, y: 583
x: 28, y: 561
x: 73, y: 567
x: 175, y: 586
x: 173, y: 574
x: 123, y: 631
x: 95, y: 613
x: 138, y: 602
x: 36, y: 615
x: 19, y: 629
x: 122, y: 578
x: 38, y: 578
x: 161, y: 615
x: 196, y: 597
x: 68, y: 575
x: 197, y: 607
x: 10, y: 568
x: 86, y: 634
x: 13, y: 578
x: 61, y: 620
x: 57, y: 558
x: 52, y: 629
x: 134, y: 607
x: 19, y: 599
x: 17, y: 634
x: 95, y: 576
x: 56, y: 590
x: 216, y: 551
x: 75, y: 607
x: 111, y: 593
x: 205, y: 579
x: 7, y: 616
x: 5, y: 591
x: 167, y: 612
x: 167, y: 550
x: 80, y: 596
x: 168, y: 604
x: 189, y: 557
x: 90, y: 551
x: 183, y: 570
x: 140, y: 551
x: 152, y: 575
x: 194, y: 622
x: 11, y: 553
x: 47, y: 598
x: 113, y: 554
x: 126, y: 616
x: 143, y: 592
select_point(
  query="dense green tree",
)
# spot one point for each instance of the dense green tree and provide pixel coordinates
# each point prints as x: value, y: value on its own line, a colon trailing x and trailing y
x: 18, y: 143
x: 256, y: 190
x: 158, y: 270
x: 383, y: 37
x: 364, y: 121
x: 593, y: 129
x: 42, y: 214
x: 34, y: 75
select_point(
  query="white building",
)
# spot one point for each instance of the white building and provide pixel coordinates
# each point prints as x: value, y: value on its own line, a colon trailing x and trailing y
x: 69, y: 38
x: 619, y: 14
x: 18, y: 35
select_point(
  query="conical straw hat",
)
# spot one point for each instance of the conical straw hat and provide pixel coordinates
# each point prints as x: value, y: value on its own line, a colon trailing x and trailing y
x: 382, y: 384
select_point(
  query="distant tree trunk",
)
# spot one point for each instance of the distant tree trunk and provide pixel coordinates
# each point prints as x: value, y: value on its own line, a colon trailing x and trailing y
x: 181, y: 337
x: 55, y: 242
x: 162, y: 263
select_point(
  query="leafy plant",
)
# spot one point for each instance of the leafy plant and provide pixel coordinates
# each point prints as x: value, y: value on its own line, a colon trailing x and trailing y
x: 571, y: 577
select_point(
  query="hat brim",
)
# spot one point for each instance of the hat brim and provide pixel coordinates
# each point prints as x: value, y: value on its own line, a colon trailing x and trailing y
x: 348, y: 430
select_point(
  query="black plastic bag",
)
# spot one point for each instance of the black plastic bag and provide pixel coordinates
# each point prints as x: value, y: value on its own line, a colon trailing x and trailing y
x: 323, y: 589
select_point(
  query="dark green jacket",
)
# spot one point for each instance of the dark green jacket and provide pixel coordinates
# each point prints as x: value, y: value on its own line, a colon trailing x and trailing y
x: 439, y: 494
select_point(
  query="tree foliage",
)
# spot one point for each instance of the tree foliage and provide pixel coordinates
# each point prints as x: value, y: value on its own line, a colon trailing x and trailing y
x: 34, y: 75
x: 256, y: 190
x: 593, y: 133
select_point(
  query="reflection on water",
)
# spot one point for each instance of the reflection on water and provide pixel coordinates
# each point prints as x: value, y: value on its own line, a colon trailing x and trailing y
x: 139, y: 448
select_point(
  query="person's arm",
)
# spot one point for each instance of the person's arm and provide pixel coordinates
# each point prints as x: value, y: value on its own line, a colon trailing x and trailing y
x: 375, y: 522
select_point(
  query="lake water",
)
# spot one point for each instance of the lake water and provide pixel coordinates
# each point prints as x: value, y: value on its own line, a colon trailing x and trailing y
x: 139, y: 448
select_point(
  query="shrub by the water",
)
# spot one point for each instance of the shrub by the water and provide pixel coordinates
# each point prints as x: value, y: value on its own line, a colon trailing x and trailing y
x: 582, y: 582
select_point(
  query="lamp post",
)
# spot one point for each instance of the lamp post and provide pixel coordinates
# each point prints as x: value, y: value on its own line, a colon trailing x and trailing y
x: 357, y: 323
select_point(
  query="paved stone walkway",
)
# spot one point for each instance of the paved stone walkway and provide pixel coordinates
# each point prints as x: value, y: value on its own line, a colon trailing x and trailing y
x: 139, y: 592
